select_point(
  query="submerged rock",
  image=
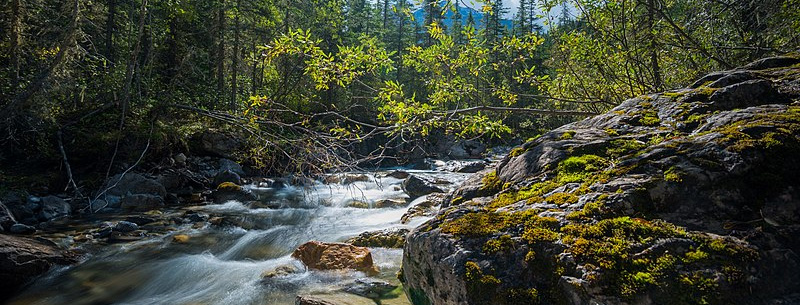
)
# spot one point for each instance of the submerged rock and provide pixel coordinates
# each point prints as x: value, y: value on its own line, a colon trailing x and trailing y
x: 369, y: 288
x: 23, y: 259
x: 309, y: 300
x: 335, y: 256
x: 685, y: 197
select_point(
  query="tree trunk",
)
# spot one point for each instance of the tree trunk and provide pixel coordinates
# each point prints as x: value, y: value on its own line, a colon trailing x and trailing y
x: 235, y: 65
x: 16, y: 40
x: 110, y: 25
x: 385, y: 14
x: 132, y: 61
x: 221, y: 50
x: 255, y: 68
x: 653, y: 47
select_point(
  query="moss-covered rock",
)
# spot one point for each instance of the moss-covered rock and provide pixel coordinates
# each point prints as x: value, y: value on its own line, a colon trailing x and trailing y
x: 685, y: 197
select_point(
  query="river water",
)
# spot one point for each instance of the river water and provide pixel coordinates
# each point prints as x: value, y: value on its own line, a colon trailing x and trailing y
x: 224, y: 265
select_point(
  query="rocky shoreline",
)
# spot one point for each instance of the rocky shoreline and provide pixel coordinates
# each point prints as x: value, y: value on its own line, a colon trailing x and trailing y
x: 683, y: 197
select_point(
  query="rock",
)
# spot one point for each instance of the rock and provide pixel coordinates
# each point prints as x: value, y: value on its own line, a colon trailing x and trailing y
x: 369, y: 288
x: 389, y: 238
x: 53, y: 207
x: 180, y: 158
x: 466, y: 149
x: 398, y: 174
x: 125, y: 227
x: 227, y: 176
x: 346, y: 178
x: 685, y: 185
x: 217, y: 143
x: 6, y: 218
x: 119, y: 237
x: 357, y: 204
x: 389, y: 203
x: 180, y: 238
x: 424, y: 207
x: 141, y: 202
x: 23, y: 259
x: 416, y: 186
x: 19, y: 228
x: 280, y: 271
x: 230, y: 165
x: 465, y: 166
x: 141, y: 220
x: 335, y: 256
x: 133, y: 183
x: 228, y: 191
x: 196, y: 216
x: 309, y: 300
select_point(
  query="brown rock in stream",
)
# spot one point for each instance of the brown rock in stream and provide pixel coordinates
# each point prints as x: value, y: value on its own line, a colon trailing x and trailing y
x: 335, y: 256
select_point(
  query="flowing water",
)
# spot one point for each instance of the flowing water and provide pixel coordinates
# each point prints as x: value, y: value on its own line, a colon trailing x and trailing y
x: 224, y: 265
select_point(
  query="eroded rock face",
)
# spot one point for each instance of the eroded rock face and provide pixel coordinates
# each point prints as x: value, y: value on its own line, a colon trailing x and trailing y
x: 335, y: 256
x: 23, y: 259
x: 683, y: 197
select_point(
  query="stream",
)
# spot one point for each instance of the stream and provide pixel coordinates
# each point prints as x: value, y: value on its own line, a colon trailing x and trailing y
x: 224, y: 264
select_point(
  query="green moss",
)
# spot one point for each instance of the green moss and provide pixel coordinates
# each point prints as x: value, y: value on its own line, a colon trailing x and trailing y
x: 491, y: 182
x: 480, y: 286
x: 531, y: 194
x: 504, y: 243
x: 673, y: 175
x: 611, y: 132
x: 561, y: 198
x: 648, y: 118
x: 534, y: 235
x: 579, y: 168
x: 517, y: 151
x: 568, y: 135
x: 475, y: 224
x: 590, y: 209
x: 229, y: 186
x: 621, y: 147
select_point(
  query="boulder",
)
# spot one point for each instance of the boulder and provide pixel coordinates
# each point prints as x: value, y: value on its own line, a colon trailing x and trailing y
x: 227, y: 176
x: 465, y: 166
x: 6, y: 218
x: 141, y: 202
x: 23, y: 229
x: 229, y: 191
x: 133, y: 183
x: 389, y: 203
x: 466, y: 149
x: 425, y: 207
x: 53, y: 207
x: 416, y: 186
x: 217, y: 143
x: 230, y: 165
x: 389, y: 238
x: 126, y: 227
x: 684, y: 197
x: 335, y: 256
x: 398, y: 174
x: 23, y: 259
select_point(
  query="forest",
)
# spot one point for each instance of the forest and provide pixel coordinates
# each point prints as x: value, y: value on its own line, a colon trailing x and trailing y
x: 194, y: 104
x: 294, y: 75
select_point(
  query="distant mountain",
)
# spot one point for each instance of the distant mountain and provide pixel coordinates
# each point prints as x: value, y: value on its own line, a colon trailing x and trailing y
x: 419, y: 17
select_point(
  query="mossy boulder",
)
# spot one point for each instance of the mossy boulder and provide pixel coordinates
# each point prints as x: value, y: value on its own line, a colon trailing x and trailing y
x: 685, y: 197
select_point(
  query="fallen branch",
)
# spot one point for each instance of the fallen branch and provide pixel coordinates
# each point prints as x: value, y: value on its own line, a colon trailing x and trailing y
x: 524, y: 110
